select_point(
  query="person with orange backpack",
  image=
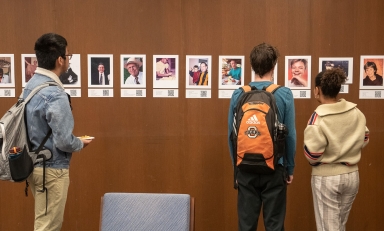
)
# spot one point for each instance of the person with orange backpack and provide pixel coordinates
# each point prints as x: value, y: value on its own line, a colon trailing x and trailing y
x: 262, y: 144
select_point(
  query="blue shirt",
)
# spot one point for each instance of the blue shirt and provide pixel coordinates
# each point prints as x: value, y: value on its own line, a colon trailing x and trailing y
x: 235, y: 73
x: 286, y: 106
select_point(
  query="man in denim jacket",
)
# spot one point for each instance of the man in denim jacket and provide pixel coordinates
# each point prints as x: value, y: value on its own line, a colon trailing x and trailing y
x: 50, y: 109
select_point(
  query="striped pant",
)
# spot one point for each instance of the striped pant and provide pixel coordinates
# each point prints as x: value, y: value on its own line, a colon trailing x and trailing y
x: 332, y: 199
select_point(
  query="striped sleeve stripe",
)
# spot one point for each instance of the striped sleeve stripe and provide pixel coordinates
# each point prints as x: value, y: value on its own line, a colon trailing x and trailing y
x: 347, y: 164
x: 312, y: 155
x: 313, y: 118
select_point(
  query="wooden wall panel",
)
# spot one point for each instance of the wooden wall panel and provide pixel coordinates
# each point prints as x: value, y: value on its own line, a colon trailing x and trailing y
x: 180, y: 145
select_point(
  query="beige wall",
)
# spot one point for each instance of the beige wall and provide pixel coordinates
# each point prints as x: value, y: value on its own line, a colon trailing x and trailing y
x: 179, y: 145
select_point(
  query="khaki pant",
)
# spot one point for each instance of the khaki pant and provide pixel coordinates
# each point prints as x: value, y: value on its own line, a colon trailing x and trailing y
x: 57, y: 183
x: 333, y: 197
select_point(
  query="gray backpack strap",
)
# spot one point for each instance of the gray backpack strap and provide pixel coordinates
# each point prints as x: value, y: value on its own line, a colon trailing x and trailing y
x: 37, y: 89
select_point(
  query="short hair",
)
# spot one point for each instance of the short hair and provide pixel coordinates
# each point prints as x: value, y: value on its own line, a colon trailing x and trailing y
x: 205, y: 65
x: 48, y: 48
x: 233, y: 61
x: 370, y: 64
x: 196, y: 66
x: 300, y: 60
x: 100, y: 64
x: 330, y: 81
x: 263, y: 58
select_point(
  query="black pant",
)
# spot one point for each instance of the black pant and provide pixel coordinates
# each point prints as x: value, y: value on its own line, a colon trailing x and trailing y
x: 269, y: 191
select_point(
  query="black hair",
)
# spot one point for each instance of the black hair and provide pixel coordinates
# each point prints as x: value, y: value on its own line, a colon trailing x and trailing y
x: 48, y: 48
x: 330, y: 81
x: 263, y: 58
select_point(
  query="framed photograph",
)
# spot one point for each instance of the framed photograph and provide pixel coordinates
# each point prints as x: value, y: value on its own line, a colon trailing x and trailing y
x: 346, y: 64
x: 371, y: 72
x: 198, y: 71
x: 132, y: 71
x: 165, y: 71
x: 29, y: 65
x: 7, y: 70
x: 100, y: 71
x: 231, y: 72
x: 274, y: 75
x: 297, y: 72
x: 72, y: 77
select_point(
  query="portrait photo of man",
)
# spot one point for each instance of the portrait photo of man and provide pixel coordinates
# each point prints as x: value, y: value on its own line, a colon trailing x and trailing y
x: 100, y: 69
x: 165, y: 71
x: 297, y: 69
x: 231, y: 72
x: 133, y: 71
x: 198, y: 71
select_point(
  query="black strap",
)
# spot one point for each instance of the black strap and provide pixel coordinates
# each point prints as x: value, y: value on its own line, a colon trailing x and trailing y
x: 44, y: 189
x: 43, y: 142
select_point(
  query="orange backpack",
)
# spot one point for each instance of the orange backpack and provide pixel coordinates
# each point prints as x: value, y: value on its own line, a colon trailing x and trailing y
x: 258, y: 138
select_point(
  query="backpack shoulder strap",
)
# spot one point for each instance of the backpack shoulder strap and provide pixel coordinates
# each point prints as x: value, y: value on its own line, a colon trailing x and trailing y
x: 272, y: 88
x: 246, y: 88
x: 36, y: 89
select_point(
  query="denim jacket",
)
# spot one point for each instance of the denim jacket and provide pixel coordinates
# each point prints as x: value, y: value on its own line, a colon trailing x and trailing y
x: 50, y: 108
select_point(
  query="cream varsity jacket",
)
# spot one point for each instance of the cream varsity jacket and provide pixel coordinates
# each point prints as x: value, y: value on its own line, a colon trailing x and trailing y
x: 334, y: 137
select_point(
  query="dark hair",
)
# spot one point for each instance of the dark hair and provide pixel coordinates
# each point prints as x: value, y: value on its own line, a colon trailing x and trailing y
x: 48, y: 48
x: 329, y: 81
x: 299, y: 60
x: 370, y: 64
x: 196, y: 66
x: 205, y: 65
x: 263, y: 58
x: 100, y: 64
x: 1, y: 71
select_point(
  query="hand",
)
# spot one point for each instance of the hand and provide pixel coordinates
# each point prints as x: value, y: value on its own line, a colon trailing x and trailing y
x: 290, y: 179
x: 85, y: 142
x: 298, y: 81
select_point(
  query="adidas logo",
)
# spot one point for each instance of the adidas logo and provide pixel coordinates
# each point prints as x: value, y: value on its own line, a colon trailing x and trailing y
x: 253, y: 120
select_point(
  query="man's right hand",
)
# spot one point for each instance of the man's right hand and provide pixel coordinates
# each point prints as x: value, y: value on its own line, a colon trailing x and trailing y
x: 85, y: 142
